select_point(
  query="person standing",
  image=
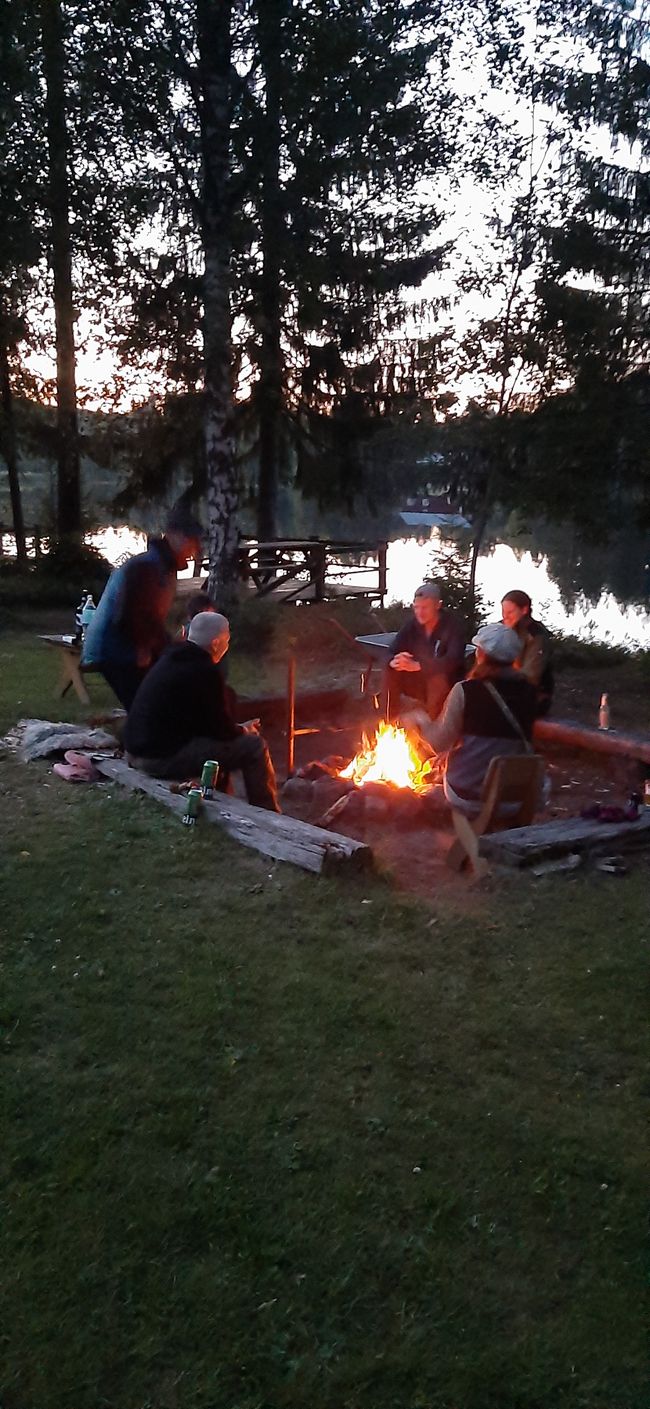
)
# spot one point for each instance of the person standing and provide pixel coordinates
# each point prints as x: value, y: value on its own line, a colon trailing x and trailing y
x: 180, y: 717
x: 428, y: 654
x: 534, y: 660
x: 128, y: 630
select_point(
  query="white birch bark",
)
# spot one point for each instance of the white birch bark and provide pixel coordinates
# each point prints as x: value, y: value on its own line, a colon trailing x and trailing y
x: 214, y: 44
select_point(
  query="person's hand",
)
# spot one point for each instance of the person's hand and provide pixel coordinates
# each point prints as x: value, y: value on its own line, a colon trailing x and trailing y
x: 251, y: 726
x: 405, y: 661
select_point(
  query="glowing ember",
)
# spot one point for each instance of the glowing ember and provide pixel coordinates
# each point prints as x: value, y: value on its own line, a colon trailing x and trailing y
x: 388, y: 758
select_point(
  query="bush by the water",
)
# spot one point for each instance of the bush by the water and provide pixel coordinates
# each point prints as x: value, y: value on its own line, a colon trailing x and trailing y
x: 54, y: 580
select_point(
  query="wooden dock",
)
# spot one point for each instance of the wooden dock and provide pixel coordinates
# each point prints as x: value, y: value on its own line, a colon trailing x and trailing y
x: 313, y: 569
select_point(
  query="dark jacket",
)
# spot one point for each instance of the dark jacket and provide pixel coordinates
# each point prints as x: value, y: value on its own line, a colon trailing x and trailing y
x: 441, y: 653
x: 543, y: 678
x: 128, y: 627
x: 181, y: 698
x: 486, y: 731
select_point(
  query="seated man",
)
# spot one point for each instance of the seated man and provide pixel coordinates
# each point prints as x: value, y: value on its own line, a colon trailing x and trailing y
x: 534, y: 660
x: 428, y: 654
x: 180, y: 716
x: 488, y: 715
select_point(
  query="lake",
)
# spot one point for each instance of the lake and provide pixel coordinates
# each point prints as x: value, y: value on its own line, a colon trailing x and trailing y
x: 604, y: 617
x: 500, y: 570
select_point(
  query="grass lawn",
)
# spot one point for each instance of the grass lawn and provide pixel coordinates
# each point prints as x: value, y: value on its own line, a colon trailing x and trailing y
x: 274, y: 1141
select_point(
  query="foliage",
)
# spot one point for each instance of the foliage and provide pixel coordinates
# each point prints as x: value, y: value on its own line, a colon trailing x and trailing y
x: 450, y: 567
x: 56, y: 579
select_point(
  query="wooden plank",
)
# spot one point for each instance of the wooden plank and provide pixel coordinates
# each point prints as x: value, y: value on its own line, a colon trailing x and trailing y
x: 271, y: 833
x: 521, y: 846
x: 572, y: 734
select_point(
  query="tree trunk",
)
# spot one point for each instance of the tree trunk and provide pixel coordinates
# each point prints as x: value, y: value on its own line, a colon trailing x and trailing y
x: 269, y: 391
x: 479, y: 534
x: 69, y: 479
x: 214, y: 45
x: 8, y: 448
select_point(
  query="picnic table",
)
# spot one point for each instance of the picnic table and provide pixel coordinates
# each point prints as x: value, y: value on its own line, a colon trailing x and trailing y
x: 71, y: 667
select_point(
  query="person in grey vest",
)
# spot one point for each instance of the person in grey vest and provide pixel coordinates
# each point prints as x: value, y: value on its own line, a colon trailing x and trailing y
x: 488, y: 715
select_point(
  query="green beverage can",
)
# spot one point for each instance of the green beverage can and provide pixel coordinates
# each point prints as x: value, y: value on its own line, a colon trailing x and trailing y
x: 193, y: 807
x: 209, y: 777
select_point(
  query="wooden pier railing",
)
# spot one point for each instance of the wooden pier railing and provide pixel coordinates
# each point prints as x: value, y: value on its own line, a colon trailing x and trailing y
x: 33, y: 538
x: 313, y: 569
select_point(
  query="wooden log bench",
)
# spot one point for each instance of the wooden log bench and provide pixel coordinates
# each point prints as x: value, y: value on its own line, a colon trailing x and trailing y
x: 544, y: 841
x: 271, y: 833
x: 569, y: 733
x: 71, y: 670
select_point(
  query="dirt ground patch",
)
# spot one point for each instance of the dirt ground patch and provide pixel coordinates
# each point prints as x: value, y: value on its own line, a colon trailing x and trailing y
x: 414, y: 856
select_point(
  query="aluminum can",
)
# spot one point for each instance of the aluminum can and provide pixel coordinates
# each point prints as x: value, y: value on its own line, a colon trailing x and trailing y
x: 193, y: 807
x: 209, y: 777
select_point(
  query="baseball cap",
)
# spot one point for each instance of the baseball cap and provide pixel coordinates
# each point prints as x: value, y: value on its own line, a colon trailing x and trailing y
x: 498, y: 641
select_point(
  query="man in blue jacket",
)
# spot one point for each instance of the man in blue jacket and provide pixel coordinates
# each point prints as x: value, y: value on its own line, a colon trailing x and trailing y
x: 428, y: 654
x: 128, y: 631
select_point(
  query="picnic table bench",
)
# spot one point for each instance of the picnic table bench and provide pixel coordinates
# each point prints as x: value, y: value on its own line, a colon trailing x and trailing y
x: 71, y: 668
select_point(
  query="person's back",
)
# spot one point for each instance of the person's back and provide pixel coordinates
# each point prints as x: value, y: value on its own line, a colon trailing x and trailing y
x: 180, y: 717
x: 488, y: 728
x: 181, y: 698
x: 128, y: 631
x: 128, y: 624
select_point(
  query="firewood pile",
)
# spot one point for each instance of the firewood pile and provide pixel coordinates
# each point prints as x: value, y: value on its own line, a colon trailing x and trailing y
x: 318, y: 792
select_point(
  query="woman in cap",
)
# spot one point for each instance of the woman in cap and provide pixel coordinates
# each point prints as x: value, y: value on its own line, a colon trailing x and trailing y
x: 488, y: 715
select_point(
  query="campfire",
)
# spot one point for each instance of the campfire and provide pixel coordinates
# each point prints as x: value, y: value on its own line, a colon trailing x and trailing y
x: 389, y: 758
x: 388, y: 779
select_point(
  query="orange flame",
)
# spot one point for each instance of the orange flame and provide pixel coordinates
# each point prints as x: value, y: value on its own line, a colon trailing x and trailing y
x: 388, y: 758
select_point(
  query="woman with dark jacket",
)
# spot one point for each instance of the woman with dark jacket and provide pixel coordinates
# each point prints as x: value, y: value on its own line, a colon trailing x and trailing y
x: 488, y: 715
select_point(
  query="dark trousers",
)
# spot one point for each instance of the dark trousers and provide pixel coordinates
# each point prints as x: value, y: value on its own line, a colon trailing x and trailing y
x: 429, y: 690
x: 247, y: 752
x: 124, y: 680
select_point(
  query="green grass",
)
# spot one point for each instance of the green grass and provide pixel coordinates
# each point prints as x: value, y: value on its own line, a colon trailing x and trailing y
x: 271, y: 1141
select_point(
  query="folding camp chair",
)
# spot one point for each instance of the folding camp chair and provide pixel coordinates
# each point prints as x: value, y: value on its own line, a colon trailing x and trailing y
x: 516, y: 781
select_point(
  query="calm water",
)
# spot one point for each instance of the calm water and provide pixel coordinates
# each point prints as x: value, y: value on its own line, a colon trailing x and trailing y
x: 500, y: 570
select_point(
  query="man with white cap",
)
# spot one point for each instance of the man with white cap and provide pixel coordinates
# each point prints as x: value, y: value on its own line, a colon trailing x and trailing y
x: 428, y: 654
x: 180, y: 716
x: 488, y: 715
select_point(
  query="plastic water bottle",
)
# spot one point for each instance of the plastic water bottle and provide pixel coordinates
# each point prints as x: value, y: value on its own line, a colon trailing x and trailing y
x: 78, y: 627
x: 603, y: 712
x: 87, y: 614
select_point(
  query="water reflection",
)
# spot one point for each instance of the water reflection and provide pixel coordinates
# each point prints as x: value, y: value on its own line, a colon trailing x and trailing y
x: 559, y: 595
x: 501, y: 570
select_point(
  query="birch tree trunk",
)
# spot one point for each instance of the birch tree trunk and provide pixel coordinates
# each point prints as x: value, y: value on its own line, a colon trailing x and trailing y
x: 8, y: 448
x: 214, y: 46
x: 69, y: 480
x: 270, y: 386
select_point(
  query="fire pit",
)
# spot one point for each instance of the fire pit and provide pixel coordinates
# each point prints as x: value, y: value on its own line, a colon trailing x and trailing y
x: 391, y: 777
